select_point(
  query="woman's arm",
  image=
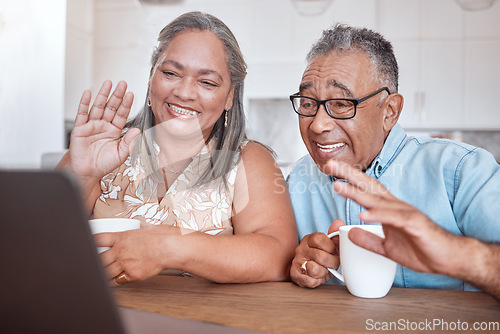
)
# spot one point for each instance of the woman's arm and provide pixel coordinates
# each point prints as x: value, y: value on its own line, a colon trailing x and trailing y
x: 90, y: 188
x: 96, y: 145
x: 261, y: 249
x: 264, y: 226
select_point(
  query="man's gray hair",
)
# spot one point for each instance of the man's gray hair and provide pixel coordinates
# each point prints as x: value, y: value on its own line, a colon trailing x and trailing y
x: 342, y: 38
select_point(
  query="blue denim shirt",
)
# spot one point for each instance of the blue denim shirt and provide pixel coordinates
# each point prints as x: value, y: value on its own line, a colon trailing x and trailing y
x: 454, y: 184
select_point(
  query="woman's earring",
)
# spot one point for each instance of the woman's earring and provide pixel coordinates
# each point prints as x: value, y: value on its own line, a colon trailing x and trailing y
x: 149, y: 101
x: 225, y: 119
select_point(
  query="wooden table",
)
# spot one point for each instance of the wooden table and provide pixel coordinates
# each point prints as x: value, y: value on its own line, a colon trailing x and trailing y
x: 283, y: 307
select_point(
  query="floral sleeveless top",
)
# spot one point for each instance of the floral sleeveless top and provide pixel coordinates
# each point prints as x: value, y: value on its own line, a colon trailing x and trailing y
x: 128, y: 192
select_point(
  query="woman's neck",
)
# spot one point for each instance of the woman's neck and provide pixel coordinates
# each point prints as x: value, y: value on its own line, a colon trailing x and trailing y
x: 176, y: 153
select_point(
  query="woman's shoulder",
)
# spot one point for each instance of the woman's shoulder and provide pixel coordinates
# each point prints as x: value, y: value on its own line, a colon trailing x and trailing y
x: 252, y: 150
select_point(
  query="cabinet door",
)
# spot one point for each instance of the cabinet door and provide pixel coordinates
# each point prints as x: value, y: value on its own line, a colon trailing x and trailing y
x: 430, y: 80
x: 482, y: 86
x: 483, y: 24
x: 399, y: 19
x: 429, y: 55
x: 441, y: 19
x: 420, y: 19
x: 441, y: 85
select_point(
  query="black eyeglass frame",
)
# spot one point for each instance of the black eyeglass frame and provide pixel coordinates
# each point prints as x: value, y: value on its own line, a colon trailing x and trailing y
x: 320, y: 103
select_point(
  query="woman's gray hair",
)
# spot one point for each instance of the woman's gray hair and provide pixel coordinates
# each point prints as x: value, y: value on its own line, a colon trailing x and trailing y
x: 228, y: 139
x: 342, y: 38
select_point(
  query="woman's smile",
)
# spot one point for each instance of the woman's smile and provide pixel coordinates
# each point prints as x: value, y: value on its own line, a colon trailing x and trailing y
x: 182, y: 111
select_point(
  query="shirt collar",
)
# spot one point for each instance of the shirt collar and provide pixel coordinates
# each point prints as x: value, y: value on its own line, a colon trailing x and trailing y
x: 393, y: 144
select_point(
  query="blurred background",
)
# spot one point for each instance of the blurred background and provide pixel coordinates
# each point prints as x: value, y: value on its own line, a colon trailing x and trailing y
x: 52, y: 50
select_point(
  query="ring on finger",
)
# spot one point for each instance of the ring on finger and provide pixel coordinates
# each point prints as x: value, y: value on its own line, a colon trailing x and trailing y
x: 121, y: 279
x: 303, y: 267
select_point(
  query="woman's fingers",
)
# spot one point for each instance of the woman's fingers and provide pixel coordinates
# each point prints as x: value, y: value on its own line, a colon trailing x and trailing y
x: 115, y: 101
x: 123, y: 110
x: 126, y: 142
x: 97, y: 110
x: 115, y: 110
x: 82, y: 114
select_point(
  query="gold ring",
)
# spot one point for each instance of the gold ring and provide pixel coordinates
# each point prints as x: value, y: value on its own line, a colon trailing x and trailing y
x: 303, y: 267
x: 121, y: 279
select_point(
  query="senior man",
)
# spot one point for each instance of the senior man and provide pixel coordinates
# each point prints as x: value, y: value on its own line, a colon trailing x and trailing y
x: 437, y: 200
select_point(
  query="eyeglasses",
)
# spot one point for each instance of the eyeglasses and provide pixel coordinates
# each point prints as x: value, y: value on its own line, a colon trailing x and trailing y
x: 336, y: 108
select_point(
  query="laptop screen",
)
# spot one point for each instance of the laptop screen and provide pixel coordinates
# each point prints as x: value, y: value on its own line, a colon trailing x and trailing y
x: 52, y: 279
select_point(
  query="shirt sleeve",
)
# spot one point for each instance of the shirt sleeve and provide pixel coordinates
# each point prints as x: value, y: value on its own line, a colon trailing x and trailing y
x: 477, y: 196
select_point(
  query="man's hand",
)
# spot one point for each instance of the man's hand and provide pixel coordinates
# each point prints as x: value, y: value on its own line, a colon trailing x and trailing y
x: 411, y: 238
x: 315, y: 253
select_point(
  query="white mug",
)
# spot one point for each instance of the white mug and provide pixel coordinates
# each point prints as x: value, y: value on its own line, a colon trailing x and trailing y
x: 101, y: 225
x: 366, y: 274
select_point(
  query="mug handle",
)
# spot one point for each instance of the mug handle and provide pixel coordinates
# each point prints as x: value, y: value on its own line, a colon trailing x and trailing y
x: 333, y: 271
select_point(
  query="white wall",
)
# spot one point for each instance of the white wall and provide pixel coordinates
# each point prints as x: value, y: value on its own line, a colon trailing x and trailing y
x: 79, y: 53
x: 32, y: 58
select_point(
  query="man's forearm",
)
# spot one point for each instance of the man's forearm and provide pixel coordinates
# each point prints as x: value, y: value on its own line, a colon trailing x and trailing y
x: 479, y: 265
x: 489, y: 272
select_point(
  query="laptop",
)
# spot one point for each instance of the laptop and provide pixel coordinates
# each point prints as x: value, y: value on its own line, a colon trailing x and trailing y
x: 51, y: 277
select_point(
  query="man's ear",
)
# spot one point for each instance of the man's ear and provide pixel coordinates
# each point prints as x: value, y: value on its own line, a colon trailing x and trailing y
x: 392, y: 109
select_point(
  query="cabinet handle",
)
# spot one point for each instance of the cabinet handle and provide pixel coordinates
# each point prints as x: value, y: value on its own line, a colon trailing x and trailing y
x: 423, y: 111
x: 416, y: 108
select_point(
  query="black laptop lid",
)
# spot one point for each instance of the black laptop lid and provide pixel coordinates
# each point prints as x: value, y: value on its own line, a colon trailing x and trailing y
x: 51, y: 278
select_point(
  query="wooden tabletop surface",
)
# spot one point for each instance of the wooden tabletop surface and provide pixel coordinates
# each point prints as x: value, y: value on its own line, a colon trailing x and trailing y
x: 283, y: 307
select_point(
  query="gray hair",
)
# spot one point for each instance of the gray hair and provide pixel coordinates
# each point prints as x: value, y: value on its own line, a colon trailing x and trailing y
x: 342, y: 38
x: 228, y: 139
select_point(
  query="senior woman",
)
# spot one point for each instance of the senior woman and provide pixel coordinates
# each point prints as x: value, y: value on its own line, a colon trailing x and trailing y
x: 212, y: 203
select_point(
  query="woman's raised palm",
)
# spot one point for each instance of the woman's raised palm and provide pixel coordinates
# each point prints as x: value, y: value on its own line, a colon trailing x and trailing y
x: 96, y: 145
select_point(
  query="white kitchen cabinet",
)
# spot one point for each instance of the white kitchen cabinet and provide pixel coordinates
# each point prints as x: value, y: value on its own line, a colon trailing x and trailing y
x: 441, y: 84
x: 482, y: 70
x: 430, y: 84
x: 429, y: 54
x: 483, y: 24
x: 448, y: 59
x: 419, y: 19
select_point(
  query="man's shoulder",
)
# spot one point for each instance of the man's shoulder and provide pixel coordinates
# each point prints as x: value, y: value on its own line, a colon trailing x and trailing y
x: 411, y: 145
x: 426, y: 156
x: 443, y: 149
x: 448, y: 144
x: 305, y: 167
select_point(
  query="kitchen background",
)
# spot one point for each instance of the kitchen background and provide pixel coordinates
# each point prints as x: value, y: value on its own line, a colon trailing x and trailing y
x: 52, y: 50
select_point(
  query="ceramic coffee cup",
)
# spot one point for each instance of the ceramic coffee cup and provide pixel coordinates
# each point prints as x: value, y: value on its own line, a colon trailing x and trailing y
x: 102, y: 225
x: 366, y: 274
